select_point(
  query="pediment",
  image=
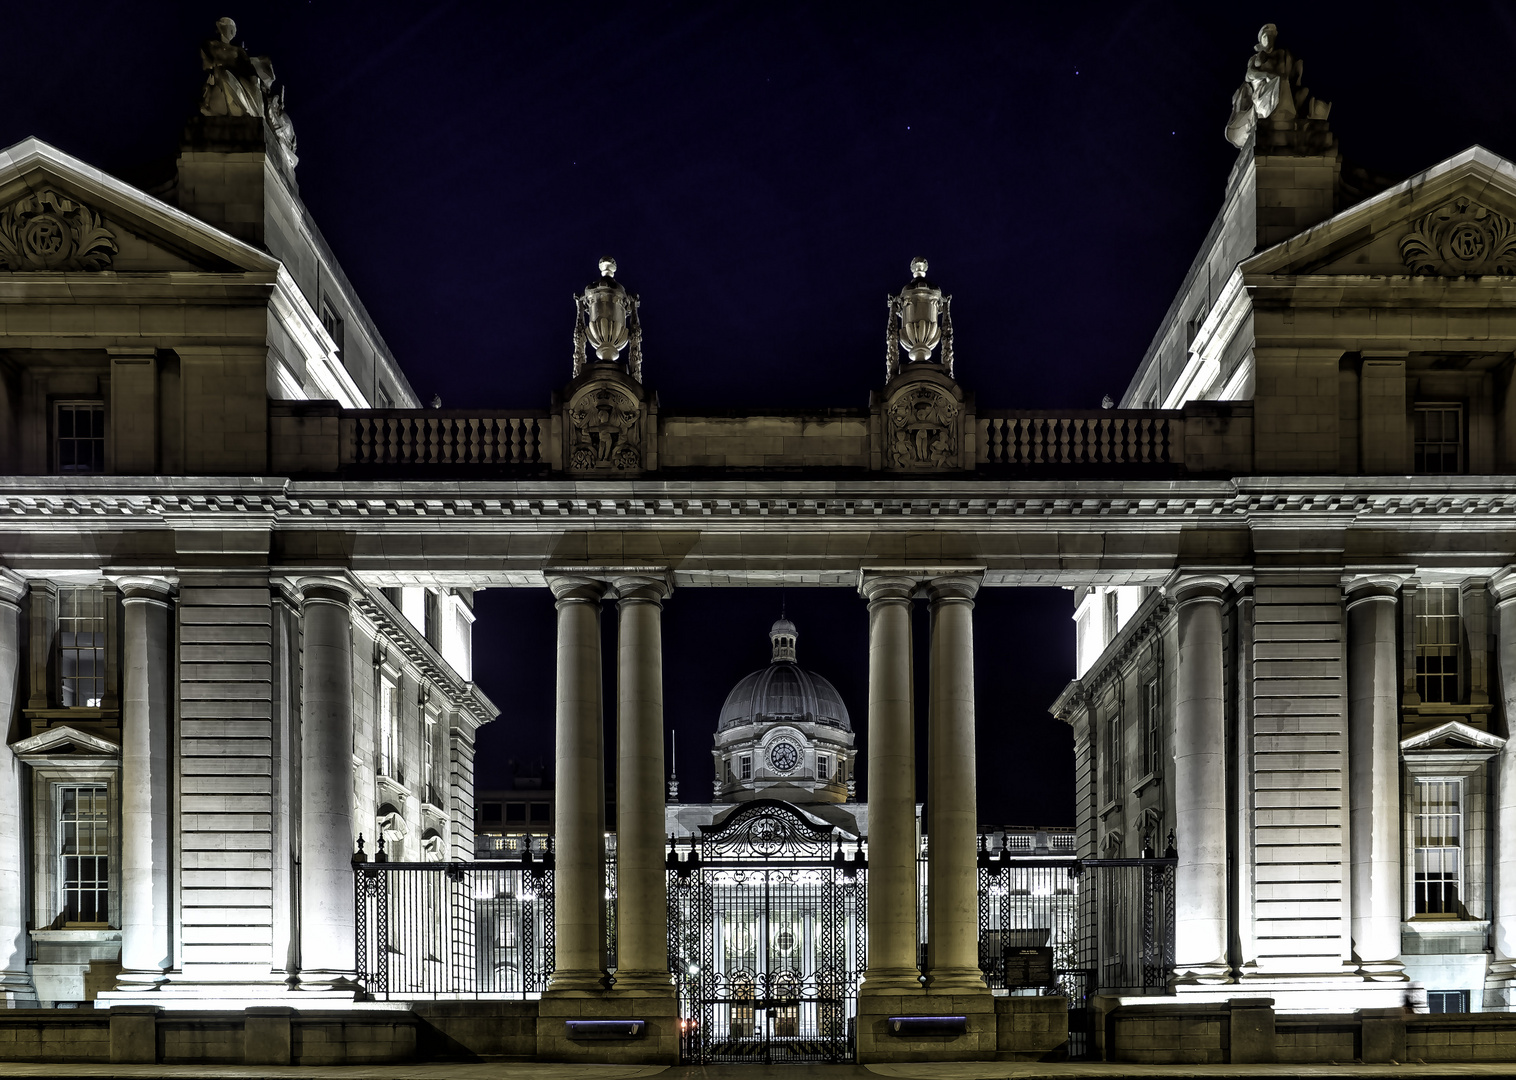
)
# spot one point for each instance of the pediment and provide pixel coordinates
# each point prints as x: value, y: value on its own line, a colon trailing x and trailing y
x: 64, y: 744
x: 1452, y: 748
x: 59, y: 214
x: 1456, y: 219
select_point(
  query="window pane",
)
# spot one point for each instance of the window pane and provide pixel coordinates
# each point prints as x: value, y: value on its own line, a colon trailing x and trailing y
x: 81, y: 647
x: 79, y: 436
x: 1438, y: 862
x: 1439, y: 438
x: 84, y: 854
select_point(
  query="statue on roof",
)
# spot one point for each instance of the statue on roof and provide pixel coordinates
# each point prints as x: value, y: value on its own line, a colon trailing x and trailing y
x: 239, y: 84
x: 1271, y: 90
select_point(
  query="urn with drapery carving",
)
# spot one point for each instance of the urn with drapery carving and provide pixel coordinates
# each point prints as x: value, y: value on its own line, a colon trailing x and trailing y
x: 606, y: 320
x: 920, y: 318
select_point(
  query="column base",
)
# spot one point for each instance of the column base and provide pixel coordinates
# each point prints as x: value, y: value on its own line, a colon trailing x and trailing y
x: 956, y: 981
x: 576, y: 982
x: 1212, y: 974
x: 328, y: 982
x: 136, y: 982
x: 891, y: 981
x: 1383, y: 971
x: 643, y: 982
x: 17, y: 991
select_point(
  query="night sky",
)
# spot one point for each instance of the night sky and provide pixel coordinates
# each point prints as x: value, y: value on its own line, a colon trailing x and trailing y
x: 763, y: 174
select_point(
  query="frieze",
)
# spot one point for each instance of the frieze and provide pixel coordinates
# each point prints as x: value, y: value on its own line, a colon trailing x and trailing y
x: 1460, y: 238
x: 45, y: 230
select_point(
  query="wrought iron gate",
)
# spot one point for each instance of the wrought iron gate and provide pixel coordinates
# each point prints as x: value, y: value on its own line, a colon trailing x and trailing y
x: 766, y: 938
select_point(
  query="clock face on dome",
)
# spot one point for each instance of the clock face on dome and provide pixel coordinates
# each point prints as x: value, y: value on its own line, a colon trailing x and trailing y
x: 784, y: 756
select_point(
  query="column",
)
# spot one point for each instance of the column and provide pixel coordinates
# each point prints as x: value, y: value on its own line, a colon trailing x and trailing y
x: 579, y: 818
x: 952, y: 823
x: 327, y: 837
x: 145, y: 760
x: 1200, y: 784
x: 892, y: 788
x: 642, y: 939
x: 15, y: 983
x: 1503, y: 965
x: 1374, y: 777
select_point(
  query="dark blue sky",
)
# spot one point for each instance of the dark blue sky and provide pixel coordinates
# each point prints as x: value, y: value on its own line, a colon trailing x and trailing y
x: 763, y: 174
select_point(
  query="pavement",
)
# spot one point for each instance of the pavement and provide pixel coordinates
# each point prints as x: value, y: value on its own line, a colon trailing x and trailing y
x: 958, y: 1070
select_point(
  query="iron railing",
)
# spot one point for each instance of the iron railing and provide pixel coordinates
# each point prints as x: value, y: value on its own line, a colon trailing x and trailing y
x: 454, y: 930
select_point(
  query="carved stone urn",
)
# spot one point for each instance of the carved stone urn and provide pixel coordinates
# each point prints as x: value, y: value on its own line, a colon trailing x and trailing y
x: 920, y: 318
x: 923, y: 420
x: 607, y: 322
x: 607, y: 419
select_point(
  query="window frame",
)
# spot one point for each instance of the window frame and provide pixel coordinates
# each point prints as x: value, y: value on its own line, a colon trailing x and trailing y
x: 335, y: 326
x: 1423, y: 409
x: 1459, y: 879
x: 824, y: 767
x: 55, y: 435
x: 1426, y: 645
x: 746, y: 766
x: 387, y: 743
x: 1152, y: 725
x: 103, y: 613
x: 48, y: 782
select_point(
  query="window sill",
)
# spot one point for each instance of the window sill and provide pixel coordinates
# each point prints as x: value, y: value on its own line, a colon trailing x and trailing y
x: 1150, y: 778
x: 1110, y: 807
x: 392, y: 784
x: 77, y: 934
x: 1444, y: 924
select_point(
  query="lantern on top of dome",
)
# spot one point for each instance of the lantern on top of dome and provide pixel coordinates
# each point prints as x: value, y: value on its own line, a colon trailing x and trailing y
x: 606, y: 320
x: 920, y: 318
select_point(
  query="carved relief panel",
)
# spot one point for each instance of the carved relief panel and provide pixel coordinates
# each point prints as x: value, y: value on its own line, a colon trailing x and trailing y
x: 604, y: 429
x: 922, y: 428
x: 48, y: 231
x: 1460, y: 238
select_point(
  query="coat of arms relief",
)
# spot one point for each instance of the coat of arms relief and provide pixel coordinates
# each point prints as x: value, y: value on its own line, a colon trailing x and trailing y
x: 922, y: 428
x: 45, y: 230
x: 606, y: 430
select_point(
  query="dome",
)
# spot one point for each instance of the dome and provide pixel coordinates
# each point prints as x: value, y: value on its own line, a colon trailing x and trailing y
x: 784, y: 691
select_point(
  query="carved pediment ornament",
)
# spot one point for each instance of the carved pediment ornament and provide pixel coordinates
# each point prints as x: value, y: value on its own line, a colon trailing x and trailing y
x: 1460, y: 237
x: 606, y: 430
x: 922, y: 430
x: 48, y: 231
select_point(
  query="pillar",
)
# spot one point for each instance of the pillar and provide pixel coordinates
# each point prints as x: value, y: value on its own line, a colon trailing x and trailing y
x: 327, y: 837
x: 1374, y: 777
x: 579, y: 790
x: 952, y: 813
x: 891, y: 788
x: 1503, y: 964
x: 1200, y: 943
x: 15, y: 983
x: 642, y: 940
x: 145, y: 787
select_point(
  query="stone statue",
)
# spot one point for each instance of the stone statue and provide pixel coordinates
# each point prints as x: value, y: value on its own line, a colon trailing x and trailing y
x: 1271, y: 90
x: 237, y: 84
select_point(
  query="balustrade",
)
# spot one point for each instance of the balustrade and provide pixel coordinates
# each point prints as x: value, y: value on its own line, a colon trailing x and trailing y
x: 1125, y: 437
x: 433, y: 437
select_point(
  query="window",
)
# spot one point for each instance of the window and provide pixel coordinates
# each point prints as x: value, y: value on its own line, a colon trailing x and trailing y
x: 1439, y: 438
x: 1152, y: 729
x: 823, y: 767
x: 1439, y: 843
x: 728, y: 770
x: 389, y: 731
x: 1193, y: 324
x: 383, y: 398
x: 431, y: 626
x: 1448, y: 1001
x: 1110, y: 616
x: 1113, y: 770
x: 1082, y: 642
x: 491, y: 811
x: 747, y: 766
x: 541, y: 813
x: 84, y: 853
x: 429, y: 760
x: 79, y: 437
x: 515, y: 813
x: 1437, y: 644
x: 333, y: 324
x: 81, y: 647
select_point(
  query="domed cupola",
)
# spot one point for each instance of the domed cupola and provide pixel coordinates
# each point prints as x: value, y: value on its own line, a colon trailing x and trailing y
x: 784, y: 733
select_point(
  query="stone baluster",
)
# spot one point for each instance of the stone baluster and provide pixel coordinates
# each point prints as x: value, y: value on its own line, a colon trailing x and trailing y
x: 1200, y: 942
x: 892, y: 929
x: 327, y: 836
x: 146, y: 705
x: 579, y: 875
x: 642, y: 940
x: 1374, y: 776
x: 952, y: 811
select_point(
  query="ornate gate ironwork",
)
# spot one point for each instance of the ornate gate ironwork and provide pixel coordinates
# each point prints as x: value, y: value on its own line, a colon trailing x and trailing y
x: 766, y: 938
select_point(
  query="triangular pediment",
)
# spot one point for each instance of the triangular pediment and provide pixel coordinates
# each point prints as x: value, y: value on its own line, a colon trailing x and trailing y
x: 58, y: 213
x: 1454, y: 735
x: 64, y: 742
x: 1456, y: 219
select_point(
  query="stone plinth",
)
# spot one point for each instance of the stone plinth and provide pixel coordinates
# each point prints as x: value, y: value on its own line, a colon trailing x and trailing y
x: 658, y: 1045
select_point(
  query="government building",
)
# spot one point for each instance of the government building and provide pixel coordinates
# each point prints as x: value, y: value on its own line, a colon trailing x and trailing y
x: 238, y: 562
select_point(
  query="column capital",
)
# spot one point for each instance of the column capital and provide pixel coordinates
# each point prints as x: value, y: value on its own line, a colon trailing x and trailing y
x: 1502, y: 585
x: 332, y: 587
x: 879, y: 586
x: 571, y: 587
x: 144, y: 585
x: 651, y: 588
x: 1190, y: 588
x: 961, y: 585
x: 1361, y: 588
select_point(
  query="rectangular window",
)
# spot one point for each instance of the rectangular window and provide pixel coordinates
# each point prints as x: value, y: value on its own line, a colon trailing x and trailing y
x: 1152, y: 728
x: 333, y: 325
x: 429, y: 759
x: 383, y: 398
x: 515, y: 813
x: 1113, y: 770
x: 431, y: 627
x: 747, y: 766
x: 1438, y: 637
x: 1447, y: 1001
x: 79, y: 437
x: 541, y: 813
x: 728, y: 770
x: 389, y: 731
x: 81, y: 647
x: 823, y: 767
x: 1111, y: 620
x: 1439, y: 438
x: 84, y: 853
x: 1439, y: 847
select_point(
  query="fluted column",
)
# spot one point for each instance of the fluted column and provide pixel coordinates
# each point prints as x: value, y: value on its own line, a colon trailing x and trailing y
x: 1374, y: 776
x: 145, y: 809
x: 952, y: 889
x: 642, y: 940
x: 1503, y: 965
x: 15, y: 983
x: 1200, y: 783
x: 327, y: 836
x: 579, y: 789
x: 891, y: 788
